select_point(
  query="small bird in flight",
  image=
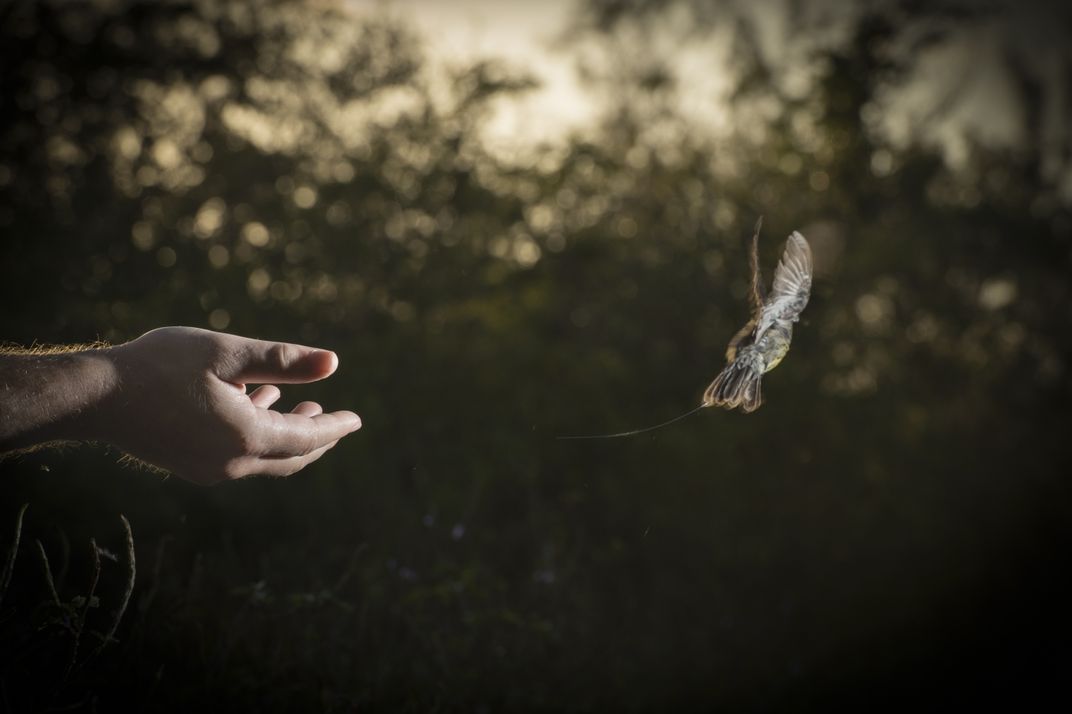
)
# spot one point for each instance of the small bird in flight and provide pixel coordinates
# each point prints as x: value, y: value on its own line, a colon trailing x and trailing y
x: 763, y: 342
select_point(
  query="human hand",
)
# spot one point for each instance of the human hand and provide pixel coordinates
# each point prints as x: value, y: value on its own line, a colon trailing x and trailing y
x: 181, y: 404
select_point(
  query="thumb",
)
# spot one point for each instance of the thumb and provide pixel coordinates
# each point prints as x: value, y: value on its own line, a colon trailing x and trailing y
x: 263, y: 362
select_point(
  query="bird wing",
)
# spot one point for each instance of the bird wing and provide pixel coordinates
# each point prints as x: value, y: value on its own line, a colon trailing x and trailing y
x: 792, y: 285
x: 756, y: 297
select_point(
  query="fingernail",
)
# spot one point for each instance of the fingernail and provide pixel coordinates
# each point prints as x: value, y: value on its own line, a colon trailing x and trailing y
x: 334, y: 359
x: 357, y: 423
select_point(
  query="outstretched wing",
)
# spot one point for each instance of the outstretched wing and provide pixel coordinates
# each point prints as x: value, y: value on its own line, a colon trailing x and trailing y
x: 756, y: 297
x: 792, y: 285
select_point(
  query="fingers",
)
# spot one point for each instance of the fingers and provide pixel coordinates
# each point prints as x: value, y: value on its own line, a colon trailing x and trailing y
x: 286, y: 443
x: 309, y: 409
x: 285, y: 466
x: 258, y: 361
x: 276, y: 465
x: 268, y: 394
x: 299, y: 434
x: 306, y: 418
x: 265, y: 396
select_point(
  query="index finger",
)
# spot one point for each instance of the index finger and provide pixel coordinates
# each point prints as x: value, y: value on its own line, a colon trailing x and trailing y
x: 297, y: 435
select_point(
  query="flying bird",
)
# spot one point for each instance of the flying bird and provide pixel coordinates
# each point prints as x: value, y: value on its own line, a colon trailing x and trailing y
x: 763, y: 342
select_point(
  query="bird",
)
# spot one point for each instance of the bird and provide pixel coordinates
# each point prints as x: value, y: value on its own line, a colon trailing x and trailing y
x: 763, y: 342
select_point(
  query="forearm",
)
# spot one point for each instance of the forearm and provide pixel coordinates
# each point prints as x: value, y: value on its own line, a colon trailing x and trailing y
x: 53, y: 396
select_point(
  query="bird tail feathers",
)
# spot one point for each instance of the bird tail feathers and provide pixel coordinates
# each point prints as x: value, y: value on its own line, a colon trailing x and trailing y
x: 738, y: 385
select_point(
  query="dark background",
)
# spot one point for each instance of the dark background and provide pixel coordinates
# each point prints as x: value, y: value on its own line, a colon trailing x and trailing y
x: 890, y: 530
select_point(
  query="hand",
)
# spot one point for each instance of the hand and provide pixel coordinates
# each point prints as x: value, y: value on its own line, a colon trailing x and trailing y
x: 181, y: 404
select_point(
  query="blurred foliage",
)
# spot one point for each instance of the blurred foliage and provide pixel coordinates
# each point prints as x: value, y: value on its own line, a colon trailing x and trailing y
x: 894, y: 519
